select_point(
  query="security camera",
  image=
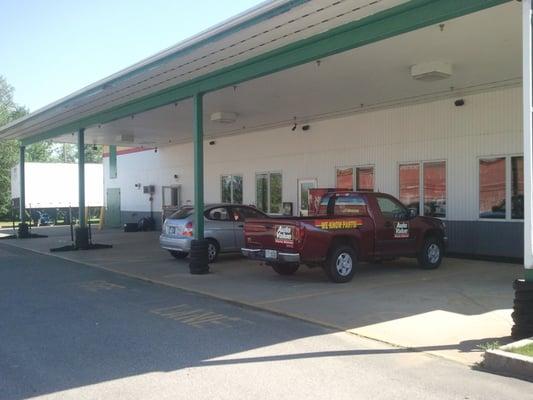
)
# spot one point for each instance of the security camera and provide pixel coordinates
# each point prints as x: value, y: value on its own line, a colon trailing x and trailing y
x: 459, y: 103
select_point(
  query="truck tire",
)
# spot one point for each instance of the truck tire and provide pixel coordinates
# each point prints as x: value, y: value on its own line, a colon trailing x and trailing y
x: 178, y: 254
x: 285, y: 268
x: 341, y: 263
x: 431, y: 255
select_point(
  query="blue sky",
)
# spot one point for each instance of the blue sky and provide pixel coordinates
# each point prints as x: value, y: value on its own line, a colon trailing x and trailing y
x: 50, y: 49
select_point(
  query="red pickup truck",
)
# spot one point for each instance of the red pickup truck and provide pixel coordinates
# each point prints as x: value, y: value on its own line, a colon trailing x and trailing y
x: 349, y: 227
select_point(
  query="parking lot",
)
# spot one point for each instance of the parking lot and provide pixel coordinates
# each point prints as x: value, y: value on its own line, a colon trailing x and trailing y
x: 450, y: 312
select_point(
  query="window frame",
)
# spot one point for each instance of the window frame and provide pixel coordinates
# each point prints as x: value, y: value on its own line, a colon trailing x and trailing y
x: 231, y: 187
x: 268, y: 173
x: 508, y: 186
x: 354, y: 168
x: 421, y: 197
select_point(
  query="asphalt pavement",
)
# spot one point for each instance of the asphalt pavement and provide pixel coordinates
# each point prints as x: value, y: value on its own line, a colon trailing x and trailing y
x: 69, y: 331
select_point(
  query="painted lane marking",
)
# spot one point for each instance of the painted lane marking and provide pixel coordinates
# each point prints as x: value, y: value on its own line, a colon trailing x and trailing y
x: 96, y: 286
x: 196, y: 317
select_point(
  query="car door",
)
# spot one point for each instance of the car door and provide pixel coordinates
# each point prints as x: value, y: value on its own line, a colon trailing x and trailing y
x: 240, y: 213
x: 219, y: 226
x: 394, y: 235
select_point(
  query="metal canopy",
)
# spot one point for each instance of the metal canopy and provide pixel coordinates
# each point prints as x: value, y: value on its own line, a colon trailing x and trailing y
x: 272, y: 38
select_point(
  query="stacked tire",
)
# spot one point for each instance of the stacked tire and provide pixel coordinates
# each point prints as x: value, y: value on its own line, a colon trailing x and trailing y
x: 522, y: 310
x: 199, y: 263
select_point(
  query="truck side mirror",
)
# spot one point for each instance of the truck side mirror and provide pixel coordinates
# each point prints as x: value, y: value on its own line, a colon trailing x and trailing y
x: 413, y: 212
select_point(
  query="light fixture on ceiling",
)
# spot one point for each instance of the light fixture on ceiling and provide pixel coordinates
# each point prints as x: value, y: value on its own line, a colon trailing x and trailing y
x: 124, y: 138
x: 431, y: 71
x: 224, y: 117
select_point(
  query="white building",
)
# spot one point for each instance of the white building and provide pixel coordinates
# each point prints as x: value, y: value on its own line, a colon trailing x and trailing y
x: 55, y: 185
x: 421, y: 99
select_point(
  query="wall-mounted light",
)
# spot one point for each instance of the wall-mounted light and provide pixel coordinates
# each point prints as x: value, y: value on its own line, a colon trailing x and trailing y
x: 306, y: 127
x: 459, y: 102
x: 212, y: 143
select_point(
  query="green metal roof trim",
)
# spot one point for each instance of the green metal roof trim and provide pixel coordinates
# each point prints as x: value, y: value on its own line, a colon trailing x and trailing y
x: 404, y: 18
x: 268, y: 14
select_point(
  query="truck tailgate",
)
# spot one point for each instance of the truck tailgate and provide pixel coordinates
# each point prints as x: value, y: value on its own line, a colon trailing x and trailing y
x: 282, y: 234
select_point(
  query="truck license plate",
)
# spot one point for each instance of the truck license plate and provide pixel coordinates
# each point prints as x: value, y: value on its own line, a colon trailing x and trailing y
x: 271, y: 254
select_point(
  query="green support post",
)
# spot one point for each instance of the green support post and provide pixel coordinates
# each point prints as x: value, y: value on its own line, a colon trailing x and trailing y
x: 81, y: 177
x: 22, y: 196
x: 198, y: 166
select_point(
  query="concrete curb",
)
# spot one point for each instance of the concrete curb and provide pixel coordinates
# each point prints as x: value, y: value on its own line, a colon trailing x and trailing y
x: 502, y: 361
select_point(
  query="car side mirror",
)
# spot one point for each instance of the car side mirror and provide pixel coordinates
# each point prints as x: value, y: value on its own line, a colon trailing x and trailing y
x: 413, y: 212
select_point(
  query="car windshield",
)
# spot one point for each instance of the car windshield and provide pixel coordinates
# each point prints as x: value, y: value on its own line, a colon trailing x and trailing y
x: 182, y: 213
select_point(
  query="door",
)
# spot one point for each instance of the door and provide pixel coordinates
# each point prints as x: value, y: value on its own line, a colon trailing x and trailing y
x: 219, y: 226
x: 112, y: 217
x: 171, y: 200
x: 303, y: 195
x: 394, y: 235
x: 240, y: 214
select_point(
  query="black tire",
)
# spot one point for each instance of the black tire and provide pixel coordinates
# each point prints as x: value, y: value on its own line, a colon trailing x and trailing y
x: 431, y: 254
x: 213, y: 249
x: 285, y: 268
x: 341, y: 264
x: 180, y: 255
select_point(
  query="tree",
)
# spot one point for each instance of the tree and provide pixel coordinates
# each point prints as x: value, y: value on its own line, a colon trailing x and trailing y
x: 41, y: 152
x: 93, y: 154
x: 9, y: 111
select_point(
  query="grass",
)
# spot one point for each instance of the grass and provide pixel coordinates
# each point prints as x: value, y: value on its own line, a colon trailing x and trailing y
x: 526, y: 350
x: 489, y: 345
x: 6, y: 224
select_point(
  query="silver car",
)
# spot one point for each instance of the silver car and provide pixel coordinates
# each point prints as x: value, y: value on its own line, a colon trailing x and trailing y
x: 223, y: 228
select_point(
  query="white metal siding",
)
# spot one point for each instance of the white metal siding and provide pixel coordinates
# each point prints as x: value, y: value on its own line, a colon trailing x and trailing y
x: 488, y: 124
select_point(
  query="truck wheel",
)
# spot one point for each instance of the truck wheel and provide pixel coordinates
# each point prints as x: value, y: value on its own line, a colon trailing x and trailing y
x: 285, y: 269
x: 212, y: 250
x: 431, y: 255
x: 178, y: 254
x: 341, y: 263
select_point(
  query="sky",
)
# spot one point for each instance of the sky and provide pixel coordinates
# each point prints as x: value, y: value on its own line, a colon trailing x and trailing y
x: 49, y: 49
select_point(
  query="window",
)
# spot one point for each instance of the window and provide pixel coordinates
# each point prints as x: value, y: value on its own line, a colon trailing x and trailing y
x: 410, y: 185
x: 424, y: 184
x: 435, y: 189
x: 231, y: 189
x: 242, y: 213
x: 344, y: 178
x: 517, y: 187
x: 501, y: 182
x: 268, y: 192
x: 350, y: 206
x: 364, y: 178
x: 390, y: 209
x: 217, y: 214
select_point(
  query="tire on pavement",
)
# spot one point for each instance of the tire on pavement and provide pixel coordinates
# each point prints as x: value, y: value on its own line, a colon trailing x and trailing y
x: 341, y: 264
x: 213, y: 249
x: 430, y: 257
x: 178, y: 254
x: 285, y: 268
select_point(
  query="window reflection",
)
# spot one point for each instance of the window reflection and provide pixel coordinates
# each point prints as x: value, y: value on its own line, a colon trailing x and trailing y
x: 410, y: 185
x: 492, y: 188
x: 435, y: 189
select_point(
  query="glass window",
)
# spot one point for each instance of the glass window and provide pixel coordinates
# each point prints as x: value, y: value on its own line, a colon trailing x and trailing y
x: 182, y: 213
x: 268, y: 192
x: 350, y: 205
x: 435, y: 189
x: 231, y: 189
x: 410, y: 185
x: 492, y: 188
x: 344, y: 178
x: 517, y: 187
x: 242, y: 213
x: 261, y: 192
x: 218, y: 214
x: 389, y: 208
x: 275, y: 193
x: 365, y: 179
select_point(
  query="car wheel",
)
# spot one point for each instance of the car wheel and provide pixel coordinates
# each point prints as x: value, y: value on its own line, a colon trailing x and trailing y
x: 212, y: 250
x: 178, y: 254
x: 341, y: 263
x: 285, y: 268
x: 431, y: 255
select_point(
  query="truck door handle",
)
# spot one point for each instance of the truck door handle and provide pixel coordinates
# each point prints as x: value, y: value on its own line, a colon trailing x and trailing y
x: 240, y: 226
x: 388, y: 224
